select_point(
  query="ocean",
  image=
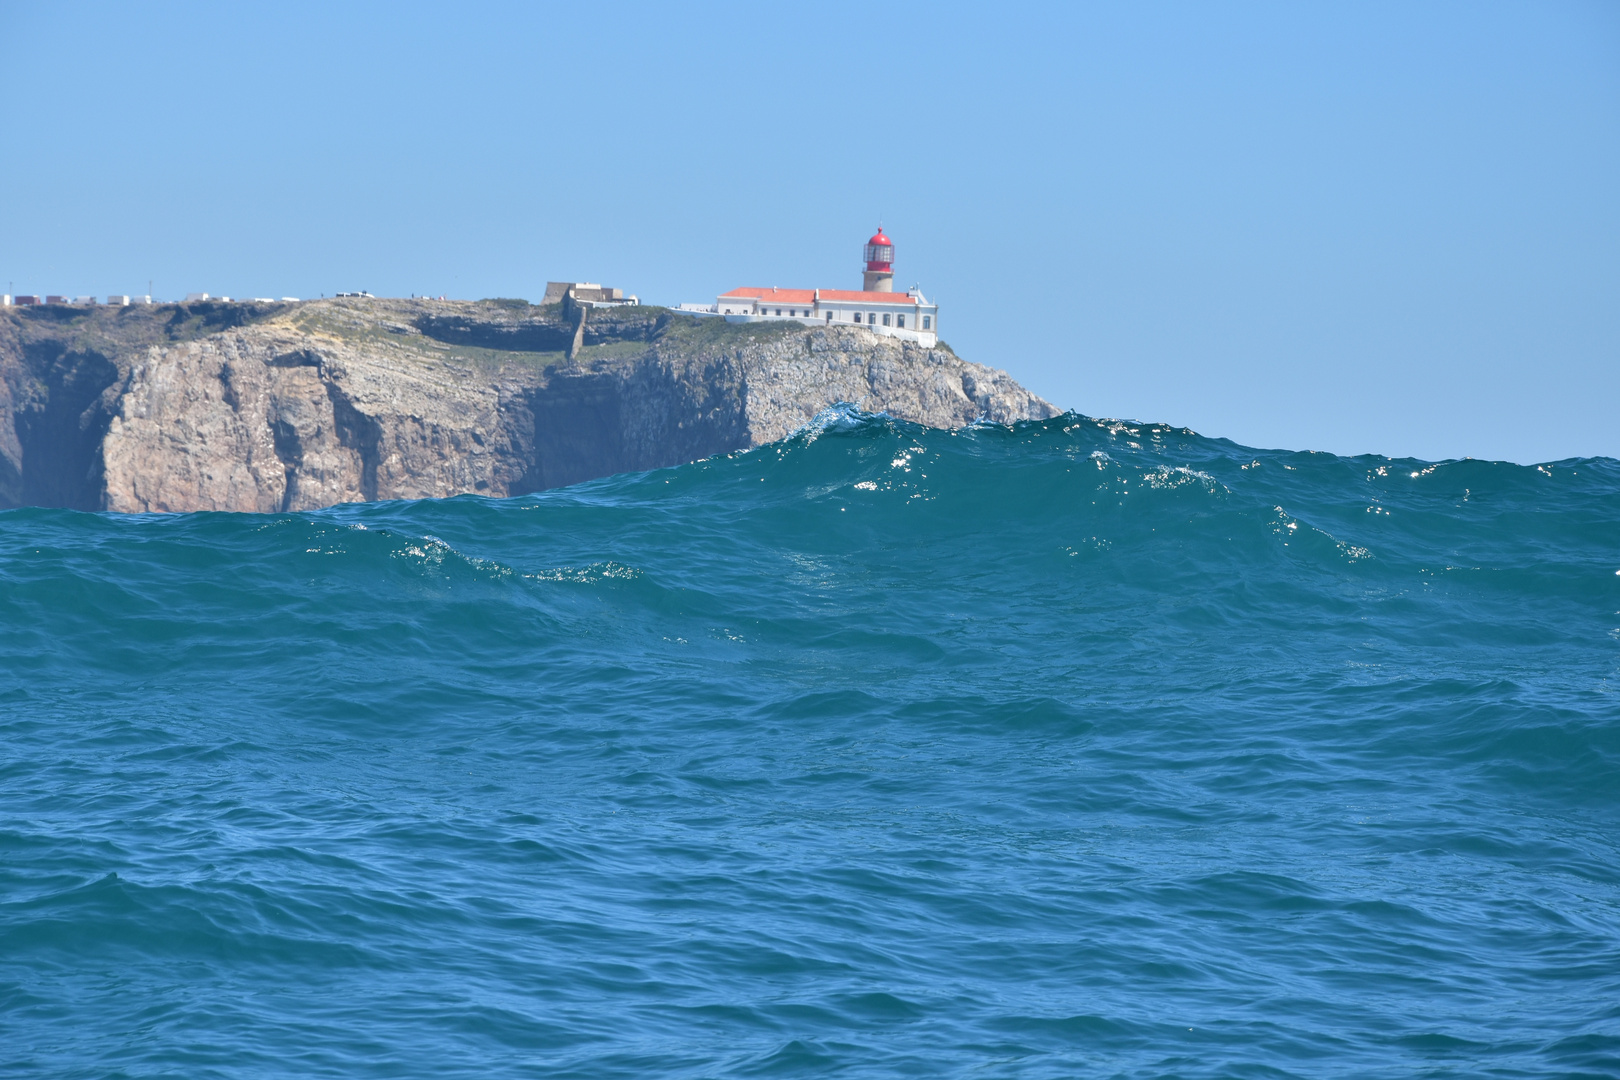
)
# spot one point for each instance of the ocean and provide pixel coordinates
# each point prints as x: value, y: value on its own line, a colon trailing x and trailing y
x: 1077, y: 748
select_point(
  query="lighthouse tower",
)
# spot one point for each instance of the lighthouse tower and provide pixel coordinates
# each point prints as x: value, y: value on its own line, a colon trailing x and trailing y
x: 879, y: 264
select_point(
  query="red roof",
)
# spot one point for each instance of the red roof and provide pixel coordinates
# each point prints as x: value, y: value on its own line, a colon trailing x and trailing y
x: 881, y: 239
x: 855, y: 296
x: 808, y: 296
x: 774, y: 296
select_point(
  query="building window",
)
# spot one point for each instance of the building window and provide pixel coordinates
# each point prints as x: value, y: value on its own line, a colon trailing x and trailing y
x: 885, y: 318
x: 926, y: 321
x: 779, y: 311
x: 900, y: 321
x: 829, y: 316
x: 857, y: 316
x: 871, y: 318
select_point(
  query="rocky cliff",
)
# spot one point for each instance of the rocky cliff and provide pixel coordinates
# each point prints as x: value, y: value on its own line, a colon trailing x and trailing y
x: 273, y: 407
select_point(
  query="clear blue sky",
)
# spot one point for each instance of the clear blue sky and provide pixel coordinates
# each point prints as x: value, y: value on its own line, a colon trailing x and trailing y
x: 1360, y: 227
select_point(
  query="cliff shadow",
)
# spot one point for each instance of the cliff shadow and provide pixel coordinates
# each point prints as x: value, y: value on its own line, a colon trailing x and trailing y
x: 586, y: 425
x: 543, y: 329
x: 578, y: 433
x: 532, y: 335
x: 60, y: 423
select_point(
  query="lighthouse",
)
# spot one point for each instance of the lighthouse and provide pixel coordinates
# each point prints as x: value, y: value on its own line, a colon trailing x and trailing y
x: 879, y: 257
x: 876, y: 308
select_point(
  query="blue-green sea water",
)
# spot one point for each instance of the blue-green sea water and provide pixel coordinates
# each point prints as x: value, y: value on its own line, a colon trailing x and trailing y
x: 1071, y: 749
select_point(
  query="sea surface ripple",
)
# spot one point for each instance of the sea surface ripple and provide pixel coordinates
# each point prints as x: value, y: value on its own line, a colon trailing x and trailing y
x: 1077, y: 748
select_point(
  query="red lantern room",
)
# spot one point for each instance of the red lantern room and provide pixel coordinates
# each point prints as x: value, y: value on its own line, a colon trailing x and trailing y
x: 880, y: 253
x: 879, y: 276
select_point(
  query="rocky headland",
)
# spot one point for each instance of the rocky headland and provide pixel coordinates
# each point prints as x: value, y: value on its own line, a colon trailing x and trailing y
x: 295, y: 406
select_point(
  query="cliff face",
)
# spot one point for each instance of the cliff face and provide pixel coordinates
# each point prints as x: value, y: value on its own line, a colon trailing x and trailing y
x: 298, y: 406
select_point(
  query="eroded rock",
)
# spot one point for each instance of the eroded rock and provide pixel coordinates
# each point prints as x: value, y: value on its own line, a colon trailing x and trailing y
x: 299, y: 406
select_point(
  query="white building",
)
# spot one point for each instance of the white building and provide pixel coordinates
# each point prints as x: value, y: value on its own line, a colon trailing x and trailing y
x: 875, y: 307
x: 588, y: 294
